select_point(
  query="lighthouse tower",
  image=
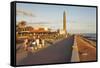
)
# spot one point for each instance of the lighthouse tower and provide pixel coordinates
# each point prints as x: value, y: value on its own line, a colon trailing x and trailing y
x: 64, y: 22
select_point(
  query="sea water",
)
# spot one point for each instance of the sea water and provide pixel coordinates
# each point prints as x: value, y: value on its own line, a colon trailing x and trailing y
x: 91, y: 36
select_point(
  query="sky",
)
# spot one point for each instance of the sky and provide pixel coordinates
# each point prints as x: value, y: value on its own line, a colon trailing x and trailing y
x: 78, y: 19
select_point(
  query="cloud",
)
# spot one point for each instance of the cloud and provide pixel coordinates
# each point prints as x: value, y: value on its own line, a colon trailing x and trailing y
x: 25, y: 12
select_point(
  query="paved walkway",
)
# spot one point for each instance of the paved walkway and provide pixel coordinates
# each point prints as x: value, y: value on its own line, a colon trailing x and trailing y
x: 59, y: 52
x: 87, y: 51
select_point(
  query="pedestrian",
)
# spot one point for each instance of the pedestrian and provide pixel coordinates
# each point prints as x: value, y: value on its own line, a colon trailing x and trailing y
x: 25, y: 44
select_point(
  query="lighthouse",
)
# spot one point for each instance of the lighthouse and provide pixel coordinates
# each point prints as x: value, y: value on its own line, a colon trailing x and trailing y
x: 64, y: 29
x: 64, y: 22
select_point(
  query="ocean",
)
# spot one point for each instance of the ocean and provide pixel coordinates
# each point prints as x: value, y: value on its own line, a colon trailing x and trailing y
x: 91, y: 36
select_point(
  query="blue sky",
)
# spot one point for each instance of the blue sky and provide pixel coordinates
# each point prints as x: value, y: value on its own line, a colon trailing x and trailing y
x: 79, y: 19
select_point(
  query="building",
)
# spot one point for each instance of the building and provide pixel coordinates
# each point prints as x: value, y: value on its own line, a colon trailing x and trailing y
x: 29, y: 32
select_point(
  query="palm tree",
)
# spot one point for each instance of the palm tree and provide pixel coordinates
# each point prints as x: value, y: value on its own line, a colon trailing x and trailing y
x: 22, y: 24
